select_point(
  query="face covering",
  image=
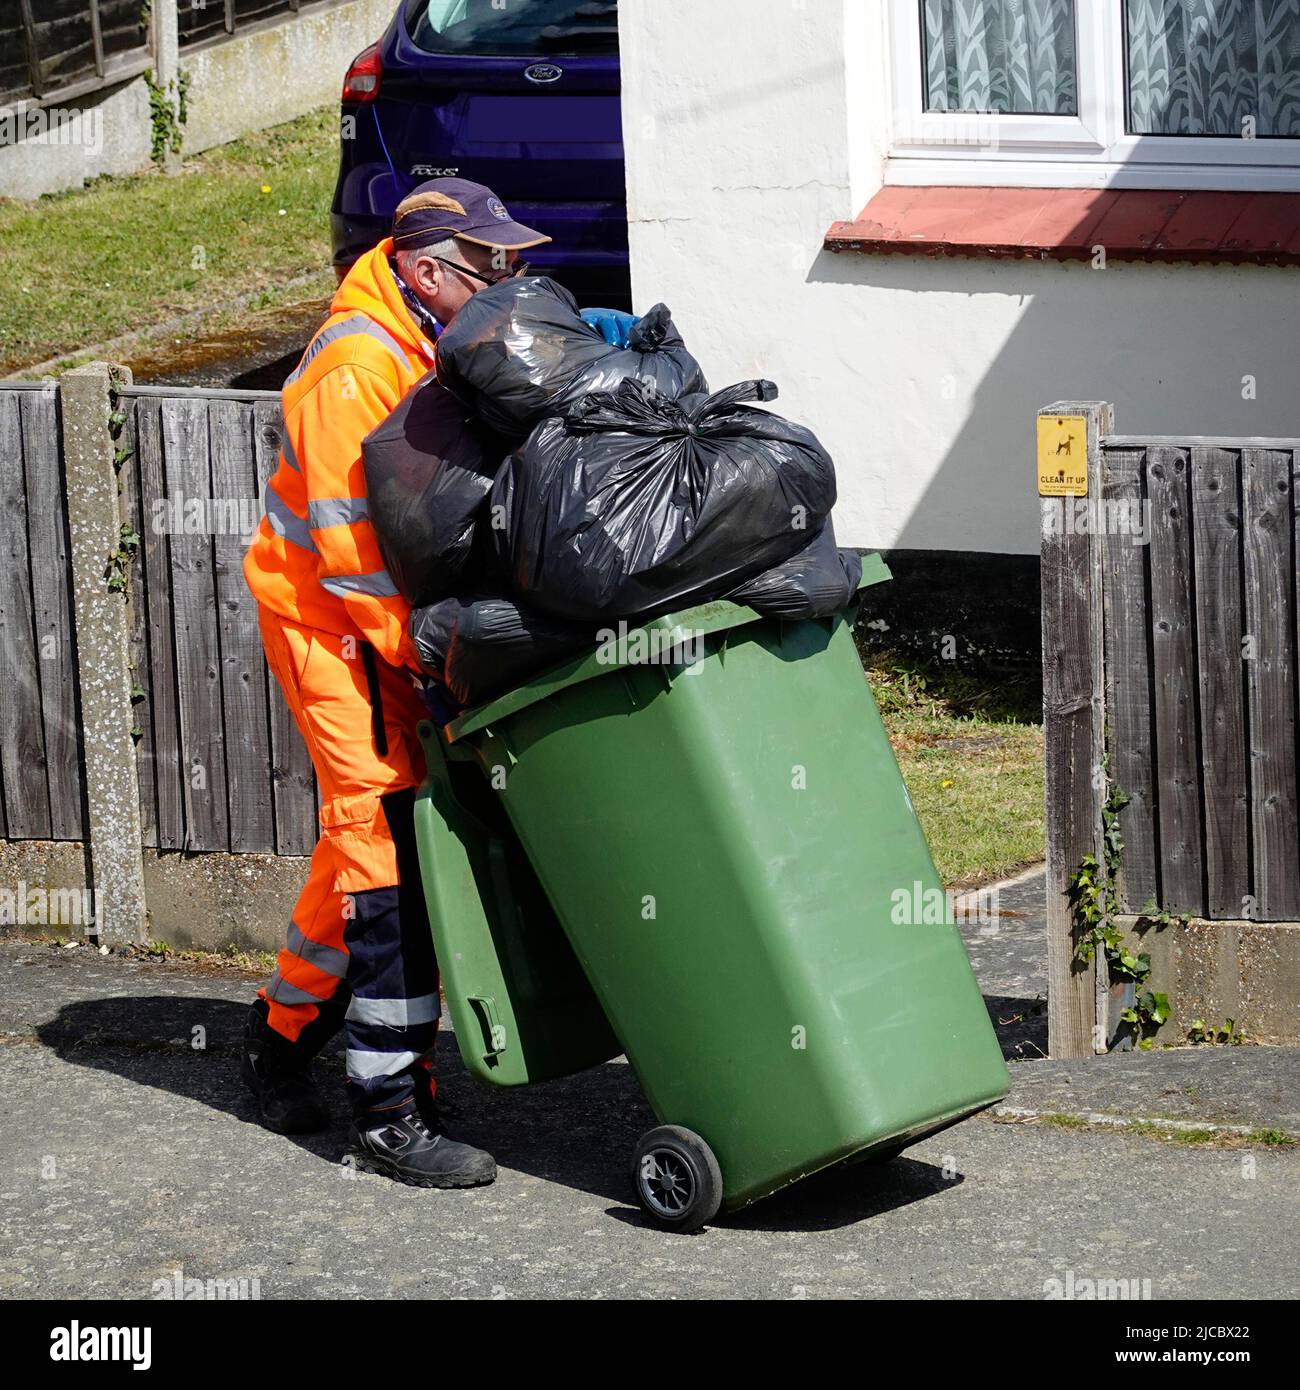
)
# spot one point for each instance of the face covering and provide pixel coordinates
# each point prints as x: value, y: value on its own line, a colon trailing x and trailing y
x: 421, y: 314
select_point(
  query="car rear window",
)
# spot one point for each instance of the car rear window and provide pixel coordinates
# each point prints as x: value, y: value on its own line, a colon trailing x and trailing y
x: 511, y: 27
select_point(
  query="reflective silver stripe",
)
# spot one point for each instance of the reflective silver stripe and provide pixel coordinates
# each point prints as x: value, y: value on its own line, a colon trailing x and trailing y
x: 326, y: 958
x: 336, y: 511
x: 393, y: 1013
x: 291, y: 458
x: 378, y: 583
x: 358, y: 323
x: 285, y: 523
x: 279, y: 989
x: 365, y: 1065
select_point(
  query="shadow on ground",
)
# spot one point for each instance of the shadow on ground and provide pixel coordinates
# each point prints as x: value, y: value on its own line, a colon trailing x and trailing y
x: 579, y: 1132
x: 1020, y: 1025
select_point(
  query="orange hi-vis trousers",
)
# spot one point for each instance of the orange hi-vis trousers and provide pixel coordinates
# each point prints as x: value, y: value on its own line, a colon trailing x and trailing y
x: 360, y: 925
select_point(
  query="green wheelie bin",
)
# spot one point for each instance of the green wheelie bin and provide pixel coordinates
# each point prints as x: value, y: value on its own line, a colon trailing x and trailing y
x: 693, y: 846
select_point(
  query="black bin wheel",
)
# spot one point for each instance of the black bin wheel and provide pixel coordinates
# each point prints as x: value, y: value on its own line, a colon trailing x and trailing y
x: 677, y: 1178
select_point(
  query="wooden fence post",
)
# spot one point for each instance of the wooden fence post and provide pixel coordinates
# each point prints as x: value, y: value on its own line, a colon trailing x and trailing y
x: 1074, y: 724
x: 103, y: 657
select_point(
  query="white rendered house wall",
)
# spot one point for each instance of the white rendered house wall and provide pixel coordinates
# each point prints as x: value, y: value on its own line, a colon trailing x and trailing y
x: 751, y: 125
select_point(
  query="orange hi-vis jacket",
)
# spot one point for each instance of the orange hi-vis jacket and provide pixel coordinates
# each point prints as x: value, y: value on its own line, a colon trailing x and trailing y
x: 315, y: 558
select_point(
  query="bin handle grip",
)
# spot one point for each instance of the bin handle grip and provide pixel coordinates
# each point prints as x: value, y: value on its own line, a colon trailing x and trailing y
x: 494, y: 1034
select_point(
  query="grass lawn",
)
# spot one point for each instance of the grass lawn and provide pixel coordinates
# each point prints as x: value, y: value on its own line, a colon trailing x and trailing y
x: 971, y: 752
x: 121, y: 254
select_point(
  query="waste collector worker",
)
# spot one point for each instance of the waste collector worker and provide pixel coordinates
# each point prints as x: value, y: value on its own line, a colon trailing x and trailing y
x: 334, y: 627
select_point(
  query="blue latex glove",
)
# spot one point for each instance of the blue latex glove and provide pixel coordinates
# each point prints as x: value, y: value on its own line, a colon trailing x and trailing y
x: 612, y: 324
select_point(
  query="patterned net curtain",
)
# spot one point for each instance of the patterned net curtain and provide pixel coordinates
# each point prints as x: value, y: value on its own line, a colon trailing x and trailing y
x: 1203, y: 67
x: 1004, y: 56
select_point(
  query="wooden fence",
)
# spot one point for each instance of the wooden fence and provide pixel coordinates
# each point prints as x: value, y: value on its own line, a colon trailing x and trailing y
x: 219, y: 764
x: 150, y: 721
x: 1170, y: 628
x: 221, y: 18
x: 67, y: 49
x: 70, y: 47
x: 41, y: 793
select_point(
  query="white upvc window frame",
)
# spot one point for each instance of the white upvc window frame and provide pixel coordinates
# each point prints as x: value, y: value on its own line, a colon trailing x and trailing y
x: 1090, y: 150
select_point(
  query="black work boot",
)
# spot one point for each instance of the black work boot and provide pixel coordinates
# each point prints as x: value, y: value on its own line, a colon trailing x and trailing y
x: 408, y: 1149
x: 278, y: 1072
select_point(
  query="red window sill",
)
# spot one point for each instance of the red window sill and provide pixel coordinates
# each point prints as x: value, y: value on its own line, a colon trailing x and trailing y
x: 1068, y: 224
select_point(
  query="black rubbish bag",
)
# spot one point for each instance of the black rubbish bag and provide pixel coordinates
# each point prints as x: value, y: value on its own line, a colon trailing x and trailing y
x: 655, y: 355
x: 520, y: 351
x: 511, y: 350
x: 480, y: 645
x: 429, y: 466
x: 633, y: 504
x: 813, y: 583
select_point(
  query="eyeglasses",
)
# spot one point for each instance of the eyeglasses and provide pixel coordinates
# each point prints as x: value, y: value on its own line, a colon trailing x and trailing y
x: 519, y: 268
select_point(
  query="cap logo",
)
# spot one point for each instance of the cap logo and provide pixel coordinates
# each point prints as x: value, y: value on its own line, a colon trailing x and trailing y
x: 498, y: 209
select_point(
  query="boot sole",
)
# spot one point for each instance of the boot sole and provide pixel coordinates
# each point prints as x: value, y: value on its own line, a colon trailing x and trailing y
x: 365, y: 1163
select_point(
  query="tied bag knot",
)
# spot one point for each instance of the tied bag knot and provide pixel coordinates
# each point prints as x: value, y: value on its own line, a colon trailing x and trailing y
x: 635, y: 407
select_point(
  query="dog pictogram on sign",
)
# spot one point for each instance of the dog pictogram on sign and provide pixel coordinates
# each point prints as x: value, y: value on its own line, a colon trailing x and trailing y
x: 1062, y: 456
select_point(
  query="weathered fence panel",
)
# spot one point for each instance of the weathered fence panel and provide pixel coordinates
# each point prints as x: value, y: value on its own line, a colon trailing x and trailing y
x: 1173, y: 670
x: 1269, y: 572
x: 69, y: 46
x: 1221, y: 693
x: 1198, y: 695
x: 244, y: 702
x: 159, y: 755
x: 27, y: 798
x: 222, y: 763
x: 1126, y: 620
x: 188, y: 475
x: 41, y: 794
x: 47, y: 536
x: 1216, y: 542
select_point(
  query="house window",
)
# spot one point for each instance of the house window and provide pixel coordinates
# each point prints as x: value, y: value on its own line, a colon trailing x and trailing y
x: 1209, y: 67
x: 1015, y: 56
x: 1096, y: 93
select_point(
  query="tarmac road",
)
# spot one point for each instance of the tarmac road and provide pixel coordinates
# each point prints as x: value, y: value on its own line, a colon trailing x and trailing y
x: 129, y: 1157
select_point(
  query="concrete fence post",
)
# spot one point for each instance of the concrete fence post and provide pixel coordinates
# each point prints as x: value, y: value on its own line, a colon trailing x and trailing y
x: 103, y: 657
x: 166, y: 41
x: 166, y: 61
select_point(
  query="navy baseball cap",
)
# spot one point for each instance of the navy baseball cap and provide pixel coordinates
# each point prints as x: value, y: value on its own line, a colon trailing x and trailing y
x: 444, y: 208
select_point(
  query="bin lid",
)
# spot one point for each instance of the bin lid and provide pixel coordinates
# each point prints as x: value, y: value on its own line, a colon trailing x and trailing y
x: 704, y: 618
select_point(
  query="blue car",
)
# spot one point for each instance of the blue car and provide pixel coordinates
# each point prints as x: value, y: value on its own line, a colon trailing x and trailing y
x: 523, y: 97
